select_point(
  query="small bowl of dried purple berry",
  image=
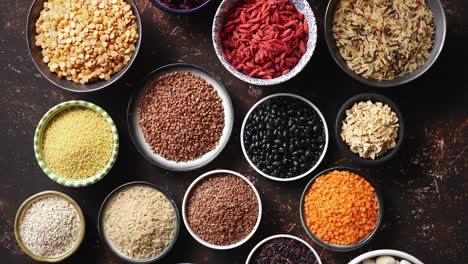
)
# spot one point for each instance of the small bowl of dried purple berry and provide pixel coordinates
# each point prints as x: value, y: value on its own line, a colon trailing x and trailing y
x: 284, y: 137
x: 180, y: 6
x: 283, y: 248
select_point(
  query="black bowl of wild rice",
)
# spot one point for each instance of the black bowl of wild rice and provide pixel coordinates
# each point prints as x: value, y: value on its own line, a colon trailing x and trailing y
x: 390, y: 54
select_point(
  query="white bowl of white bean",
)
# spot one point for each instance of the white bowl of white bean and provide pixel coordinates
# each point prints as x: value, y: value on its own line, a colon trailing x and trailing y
x: 385, y: 256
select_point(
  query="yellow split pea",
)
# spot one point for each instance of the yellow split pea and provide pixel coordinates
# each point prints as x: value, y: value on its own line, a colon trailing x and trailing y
x: 77, y: 143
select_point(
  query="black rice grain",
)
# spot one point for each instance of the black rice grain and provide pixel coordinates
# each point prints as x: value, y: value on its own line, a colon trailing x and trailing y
x: 284, y: 137
x: 283, y: 251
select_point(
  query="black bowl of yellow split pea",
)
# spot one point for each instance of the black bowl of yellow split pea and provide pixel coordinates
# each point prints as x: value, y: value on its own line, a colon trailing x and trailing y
x: 76, y: 143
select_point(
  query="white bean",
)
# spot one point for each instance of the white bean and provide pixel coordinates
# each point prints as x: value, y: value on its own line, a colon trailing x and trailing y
x: 369, y: 261
x: 403, y: 261
x: 386, y: 260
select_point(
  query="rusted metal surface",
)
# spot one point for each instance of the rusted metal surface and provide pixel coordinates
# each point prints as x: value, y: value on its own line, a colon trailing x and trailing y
x: 425, y: 187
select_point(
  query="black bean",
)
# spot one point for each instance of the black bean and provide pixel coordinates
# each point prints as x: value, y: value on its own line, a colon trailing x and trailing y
x: 285, y: 135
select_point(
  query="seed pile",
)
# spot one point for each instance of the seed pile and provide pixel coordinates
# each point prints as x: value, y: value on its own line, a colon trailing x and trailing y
x: 385, y: 260
x: 341, y: 208
x: 383, y: 39
x: 77, y: 143
x: 183, y: 4
x: 283, y: 251
x: 50, y: 226
x: 140, y: 222
x: 264, y: 38
x: 222, y: 209
x: 284, y: 137
x: 86, y: 40
x: 181, y: 116
x: 370, y: 129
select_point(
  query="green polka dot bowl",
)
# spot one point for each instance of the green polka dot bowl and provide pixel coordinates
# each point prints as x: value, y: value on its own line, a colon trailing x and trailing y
x: 38, y: 140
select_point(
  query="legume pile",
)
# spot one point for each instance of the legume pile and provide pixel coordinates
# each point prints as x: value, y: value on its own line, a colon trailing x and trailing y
x: 50, y: 226
x: 284, y: 137
x: 264, y: 39
x: 222, y: 209
x: 140, y: 222
x: 77, y: 143
x: 181, y: 116
x: 86, y: 40
x: 283, y: 251
x: 341, y: 208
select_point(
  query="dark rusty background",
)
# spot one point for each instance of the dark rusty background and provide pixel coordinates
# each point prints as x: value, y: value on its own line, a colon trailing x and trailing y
x: 425, y: 187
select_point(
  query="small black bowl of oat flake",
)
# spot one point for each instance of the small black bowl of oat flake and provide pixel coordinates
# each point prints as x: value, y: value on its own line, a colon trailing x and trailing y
x: 284, y: 137
x: 369, y: 129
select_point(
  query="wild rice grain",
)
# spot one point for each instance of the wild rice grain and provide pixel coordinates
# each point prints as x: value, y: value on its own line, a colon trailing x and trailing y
x: 181, y: 116
x: 383, y: 39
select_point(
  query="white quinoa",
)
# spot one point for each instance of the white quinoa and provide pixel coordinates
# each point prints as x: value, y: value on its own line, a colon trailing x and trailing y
x: 50, y: 226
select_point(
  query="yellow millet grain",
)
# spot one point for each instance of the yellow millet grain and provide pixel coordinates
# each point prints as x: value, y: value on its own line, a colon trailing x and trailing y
x: 77, y: 143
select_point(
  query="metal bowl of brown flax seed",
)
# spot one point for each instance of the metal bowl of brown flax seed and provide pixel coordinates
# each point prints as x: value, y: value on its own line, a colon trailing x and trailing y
x: 221, y: 209
x: 180, y: 117
x: 49, y: 226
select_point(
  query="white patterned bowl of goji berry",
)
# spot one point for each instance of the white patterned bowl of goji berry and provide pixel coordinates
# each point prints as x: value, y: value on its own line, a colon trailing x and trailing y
x: 264, y: 42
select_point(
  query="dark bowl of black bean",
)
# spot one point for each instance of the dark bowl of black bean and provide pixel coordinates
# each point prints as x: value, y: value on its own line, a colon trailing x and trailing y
x: 284, y: 137
x: 358, y: 156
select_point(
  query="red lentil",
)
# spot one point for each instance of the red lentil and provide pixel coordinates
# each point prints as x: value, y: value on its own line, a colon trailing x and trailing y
x: 264, y: 38
x: 341, y: 208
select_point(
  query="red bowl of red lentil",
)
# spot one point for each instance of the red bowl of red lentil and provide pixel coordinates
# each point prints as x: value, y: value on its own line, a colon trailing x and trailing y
x: 341, y: 209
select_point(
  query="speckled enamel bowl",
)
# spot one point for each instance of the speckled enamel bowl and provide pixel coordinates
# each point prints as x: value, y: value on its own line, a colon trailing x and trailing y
x: 219, y: 20
x: 38, y: 136
x: 19, y: 215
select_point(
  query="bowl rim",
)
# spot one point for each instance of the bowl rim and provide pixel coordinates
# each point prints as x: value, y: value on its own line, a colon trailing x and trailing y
x: 325, y: 128
x: 306, y: 57
x: 109, y: 244
x: 252, y: 252
x: 38, y: 136
x: 329, y: 14
x: 177, y: 10
x: 364, y: 240
x: 385, y: 252
x: 189, y: 191
x: 373, y: 97
x: 105, y: 83
x: 229, y: 116
x: 26, y: 204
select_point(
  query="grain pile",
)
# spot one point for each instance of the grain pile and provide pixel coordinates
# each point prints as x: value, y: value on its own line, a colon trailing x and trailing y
x: 77, y: 143
x: 140, y: 222
x: 86, y: 40
x: 222, y: 209
x: 370, y: 129
x: 50, y: 226
x: 181, y: 116
x: 383, y: 39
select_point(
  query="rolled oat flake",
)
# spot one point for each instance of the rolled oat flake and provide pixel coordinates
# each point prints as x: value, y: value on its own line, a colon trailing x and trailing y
x: 50, y: 226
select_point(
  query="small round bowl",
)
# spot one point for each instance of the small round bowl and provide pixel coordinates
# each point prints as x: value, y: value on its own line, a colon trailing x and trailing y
x: 325, y: 127
x: 218, y: 24
x: 39, y: 133
x: 385, y: 252
x: 363, y: 241
x: 439, y: 39
x: 112, y: 247
x: 162, y: 6
x: 184, y: 211
x: 137, y: 134
x: 36, y: 53
x: 391, y: 153
x: 26, y: 205
x: 317, y: 257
